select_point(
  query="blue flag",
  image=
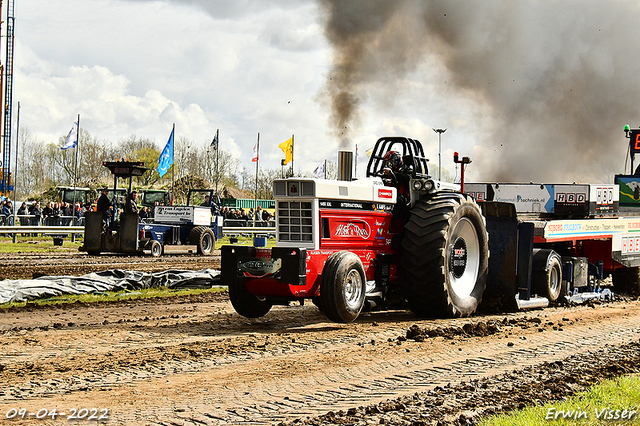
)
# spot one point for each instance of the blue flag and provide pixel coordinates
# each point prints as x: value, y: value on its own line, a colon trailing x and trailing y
x: 166, y: 158
x: 214, y: 142
x: 72, y: 138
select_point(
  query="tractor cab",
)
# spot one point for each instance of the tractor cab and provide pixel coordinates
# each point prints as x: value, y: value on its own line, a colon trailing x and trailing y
x: 154, y: 197
x: 204, y: 198
x: 394, y: 154
x: 400, y: 162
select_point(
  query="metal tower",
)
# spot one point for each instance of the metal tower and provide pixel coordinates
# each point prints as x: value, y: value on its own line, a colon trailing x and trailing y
x: 7, y: 185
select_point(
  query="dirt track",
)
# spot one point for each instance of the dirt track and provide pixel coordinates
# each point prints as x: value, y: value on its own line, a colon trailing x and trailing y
x: 193, y: 361
x: 64, y: 262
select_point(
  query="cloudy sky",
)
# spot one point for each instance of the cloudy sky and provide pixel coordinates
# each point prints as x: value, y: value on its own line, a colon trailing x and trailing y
x: 531, y: 90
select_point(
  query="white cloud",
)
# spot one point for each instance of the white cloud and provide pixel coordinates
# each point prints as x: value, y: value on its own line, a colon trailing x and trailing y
x: 248, y: 66
x: 106, y: 106
x: 135, y: 67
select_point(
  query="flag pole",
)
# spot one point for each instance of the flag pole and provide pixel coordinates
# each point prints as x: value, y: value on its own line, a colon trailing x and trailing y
x: 292, y: 169
x: 15, y: 171
x: 356, y: 171
x: 173, y: 163
x: 255, y: 195
x: 75, y: 177
x: 217, y: 160
x: 325, y: 168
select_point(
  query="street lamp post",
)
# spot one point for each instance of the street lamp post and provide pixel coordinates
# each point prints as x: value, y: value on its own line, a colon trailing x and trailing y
x: 439, y: 132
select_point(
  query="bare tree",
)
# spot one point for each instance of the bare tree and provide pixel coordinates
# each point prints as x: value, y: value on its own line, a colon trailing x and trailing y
x: 247, y: 180
x: 44, y: 165
x: 265, y: 182
x: 445, y: 174
x: 332, y: 170
x: 226, y: 172
x: 93, y: 152
x: 31, y: 173
x: 145, y: 150
x: 64, y: 162
x: 183, y: 159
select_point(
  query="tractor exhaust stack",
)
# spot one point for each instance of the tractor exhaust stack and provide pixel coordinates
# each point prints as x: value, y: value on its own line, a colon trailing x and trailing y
x: 345, y: 165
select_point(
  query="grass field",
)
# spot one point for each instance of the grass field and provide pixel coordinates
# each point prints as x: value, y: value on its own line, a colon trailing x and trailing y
x: 113, y: 296
x: 610, y: 402
x: 30, y: 244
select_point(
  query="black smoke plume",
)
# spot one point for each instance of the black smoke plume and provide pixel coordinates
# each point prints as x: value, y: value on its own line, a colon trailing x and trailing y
x: 560, y: 77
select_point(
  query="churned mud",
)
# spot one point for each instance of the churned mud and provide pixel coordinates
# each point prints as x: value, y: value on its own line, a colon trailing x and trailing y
x: 193, y: 361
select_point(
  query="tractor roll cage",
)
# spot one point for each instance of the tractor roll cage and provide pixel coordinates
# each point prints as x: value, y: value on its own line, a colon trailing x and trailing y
x: 412, y: 154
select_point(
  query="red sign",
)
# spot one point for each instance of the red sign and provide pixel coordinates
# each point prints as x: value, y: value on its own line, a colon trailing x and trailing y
x: 634, y: 141
x: 385, y: 193
x: 354, y: 228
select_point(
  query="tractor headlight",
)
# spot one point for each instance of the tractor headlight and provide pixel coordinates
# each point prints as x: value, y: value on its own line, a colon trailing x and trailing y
x: 417, y: 185
x: 428, y: 185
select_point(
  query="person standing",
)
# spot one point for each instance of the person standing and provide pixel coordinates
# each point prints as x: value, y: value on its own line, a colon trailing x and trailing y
x: 68, y: 213
x: 103, y: 206
x: 36, y: 213
x: 22, y: 211
x: 143, y: 214
x: 47, y: 211
x: 78, y: 214
x: 7, y: 212
x: 131, y: 205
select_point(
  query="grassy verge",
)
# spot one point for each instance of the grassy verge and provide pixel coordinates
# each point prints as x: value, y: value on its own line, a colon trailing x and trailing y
x: 610, y: 402
x: 111, y: 296
x: 247, y: 241
x: 30, y: 244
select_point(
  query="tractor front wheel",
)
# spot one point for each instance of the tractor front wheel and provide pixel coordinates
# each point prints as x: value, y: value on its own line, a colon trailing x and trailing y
x: 445, y: 256
x: 343, y: 287
x: 247, y: 304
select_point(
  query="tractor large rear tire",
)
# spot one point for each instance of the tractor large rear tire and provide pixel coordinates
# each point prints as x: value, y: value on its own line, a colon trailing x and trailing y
x: 445, y: 256
x: 247, y: 304
x: 204, y: 239
x: 343, y: 287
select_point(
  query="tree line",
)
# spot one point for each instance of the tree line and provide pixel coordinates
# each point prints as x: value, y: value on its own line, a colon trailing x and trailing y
x: 43, y: 166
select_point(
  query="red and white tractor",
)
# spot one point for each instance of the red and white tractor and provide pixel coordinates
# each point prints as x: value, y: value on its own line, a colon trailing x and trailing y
x: 349, y: 245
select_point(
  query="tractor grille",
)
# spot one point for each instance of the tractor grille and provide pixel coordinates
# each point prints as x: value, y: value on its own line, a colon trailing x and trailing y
x: 295, y: 221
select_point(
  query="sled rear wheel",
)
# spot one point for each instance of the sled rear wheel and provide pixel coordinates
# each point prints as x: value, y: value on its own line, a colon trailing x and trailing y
x: 546, y: 277
x: 156, y: 248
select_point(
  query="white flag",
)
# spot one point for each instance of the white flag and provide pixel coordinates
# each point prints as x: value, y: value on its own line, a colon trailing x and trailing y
x: 319, y: 172
x: 255, y: 153
x: 72, y: 138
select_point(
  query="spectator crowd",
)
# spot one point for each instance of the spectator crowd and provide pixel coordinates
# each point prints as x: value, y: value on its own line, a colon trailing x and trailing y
x: 65, y: 214
x: 246, y: 216
x: 33, y: 214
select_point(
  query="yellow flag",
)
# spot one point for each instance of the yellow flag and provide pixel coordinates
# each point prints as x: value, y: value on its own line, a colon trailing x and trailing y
x: 287, y: 148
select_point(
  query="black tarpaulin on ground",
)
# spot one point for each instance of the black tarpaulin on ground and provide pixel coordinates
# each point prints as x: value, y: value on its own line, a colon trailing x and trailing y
x: 111, y: 280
